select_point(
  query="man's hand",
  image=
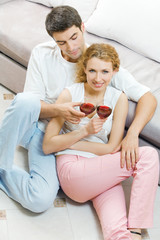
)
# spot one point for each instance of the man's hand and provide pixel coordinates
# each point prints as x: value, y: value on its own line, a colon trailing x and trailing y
x: 67, y: 111
x: 129, y: 151
x: 129, y: 146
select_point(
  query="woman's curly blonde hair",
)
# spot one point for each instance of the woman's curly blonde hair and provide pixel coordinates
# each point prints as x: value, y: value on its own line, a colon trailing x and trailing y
x: 101, y: 51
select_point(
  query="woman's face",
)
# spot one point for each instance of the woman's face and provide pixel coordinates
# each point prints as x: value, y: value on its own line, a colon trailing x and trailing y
x: 98, y: 73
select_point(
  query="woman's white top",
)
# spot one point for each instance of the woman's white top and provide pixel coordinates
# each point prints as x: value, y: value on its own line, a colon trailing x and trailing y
x: 110, y: 99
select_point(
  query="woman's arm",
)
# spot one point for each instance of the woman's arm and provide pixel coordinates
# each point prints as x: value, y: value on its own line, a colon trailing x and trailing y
x: 119, y: 118
x: 54, y: 142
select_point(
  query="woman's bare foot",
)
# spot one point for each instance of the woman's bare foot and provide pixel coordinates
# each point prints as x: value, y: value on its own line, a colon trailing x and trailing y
x: 135, y: 235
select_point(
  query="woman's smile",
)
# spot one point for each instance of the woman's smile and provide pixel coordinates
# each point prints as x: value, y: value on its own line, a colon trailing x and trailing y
x: 98, y: 85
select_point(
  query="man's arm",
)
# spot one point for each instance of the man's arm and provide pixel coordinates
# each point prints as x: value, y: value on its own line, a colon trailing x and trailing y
x: 59, y: 109
x: 35, y: 84
x: 48, y: 110
x: 145, y: 109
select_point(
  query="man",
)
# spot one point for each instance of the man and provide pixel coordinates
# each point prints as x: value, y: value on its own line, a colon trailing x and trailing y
x: 51, y: 68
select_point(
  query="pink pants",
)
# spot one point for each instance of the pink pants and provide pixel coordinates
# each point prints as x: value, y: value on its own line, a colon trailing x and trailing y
x: 99, y: 179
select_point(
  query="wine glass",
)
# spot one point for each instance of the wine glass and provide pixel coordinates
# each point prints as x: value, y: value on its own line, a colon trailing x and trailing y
x: 89, y: 106
x: 103, y: 111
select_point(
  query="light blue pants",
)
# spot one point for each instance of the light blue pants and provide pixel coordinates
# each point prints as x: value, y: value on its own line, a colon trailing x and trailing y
x: 37, y: 189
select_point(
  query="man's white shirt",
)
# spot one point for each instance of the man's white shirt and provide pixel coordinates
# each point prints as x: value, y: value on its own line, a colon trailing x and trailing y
x: 49, y: 73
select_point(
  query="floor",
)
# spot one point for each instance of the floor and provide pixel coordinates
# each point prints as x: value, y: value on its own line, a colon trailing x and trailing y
x: 65, y: 220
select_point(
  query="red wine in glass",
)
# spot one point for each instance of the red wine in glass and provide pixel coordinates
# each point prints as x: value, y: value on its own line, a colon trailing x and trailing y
x: 103, y: 111
x: 87, y: 108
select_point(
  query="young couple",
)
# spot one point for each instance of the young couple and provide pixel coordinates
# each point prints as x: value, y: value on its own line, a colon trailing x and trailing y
x: 86, y: 168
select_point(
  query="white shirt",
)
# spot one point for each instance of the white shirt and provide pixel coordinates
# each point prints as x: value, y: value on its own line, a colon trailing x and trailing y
x: 49, y: 73
x: 110, y: 99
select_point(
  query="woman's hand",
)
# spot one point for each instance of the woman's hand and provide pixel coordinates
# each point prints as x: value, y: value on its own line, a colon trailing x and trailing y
x: 95, y: 125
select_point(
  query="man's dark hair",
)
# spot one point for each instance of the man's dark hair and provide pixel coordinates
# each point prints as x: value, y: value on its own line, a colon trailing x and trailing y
x: 61, y: 18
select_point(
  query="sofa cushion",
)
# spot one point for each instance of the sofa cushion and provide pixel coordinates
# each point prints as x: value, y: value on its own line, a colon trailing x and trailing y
x: 17, y: 40
x: 85, y: 8
x: 12, y: 74
x: 151, y: 131
x: 133, y: 23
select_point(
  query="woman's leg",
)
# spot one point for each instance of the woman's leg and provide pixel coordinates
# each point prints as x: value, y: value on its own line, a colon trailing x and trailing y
x: 83, y: 179
x: 144, y: 189
x: 111, y: 210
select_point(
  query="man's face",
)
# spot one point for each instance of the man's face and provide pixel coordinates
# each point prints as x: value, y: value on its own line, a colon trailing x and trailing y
x: 71, y: 43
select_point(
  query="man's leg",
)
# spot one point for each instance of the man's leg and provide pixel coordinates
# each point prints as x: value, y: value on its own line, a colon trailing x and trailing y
x: 34, y: 191
x: 18, y: 124
x: 37, y: 189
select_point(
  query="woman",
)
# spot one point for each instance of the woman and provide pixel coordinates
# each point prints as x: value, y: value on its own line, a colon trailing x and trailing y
x: 86, y: 168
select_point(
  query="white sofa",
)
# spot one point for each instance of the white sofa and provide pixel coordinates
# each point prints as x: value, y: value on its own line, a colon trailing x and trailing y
x: 132, y: 27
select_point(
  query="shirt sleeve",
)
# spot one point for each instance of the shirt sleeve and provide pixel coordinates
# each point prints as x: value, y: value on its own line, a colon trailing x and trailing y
x: 125, y: 82
x: 34, y: 82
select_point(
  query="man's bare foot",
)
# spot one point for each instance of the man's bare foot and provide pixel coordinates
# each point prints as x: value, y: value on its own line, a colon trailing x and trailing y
x: 136, y: 233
